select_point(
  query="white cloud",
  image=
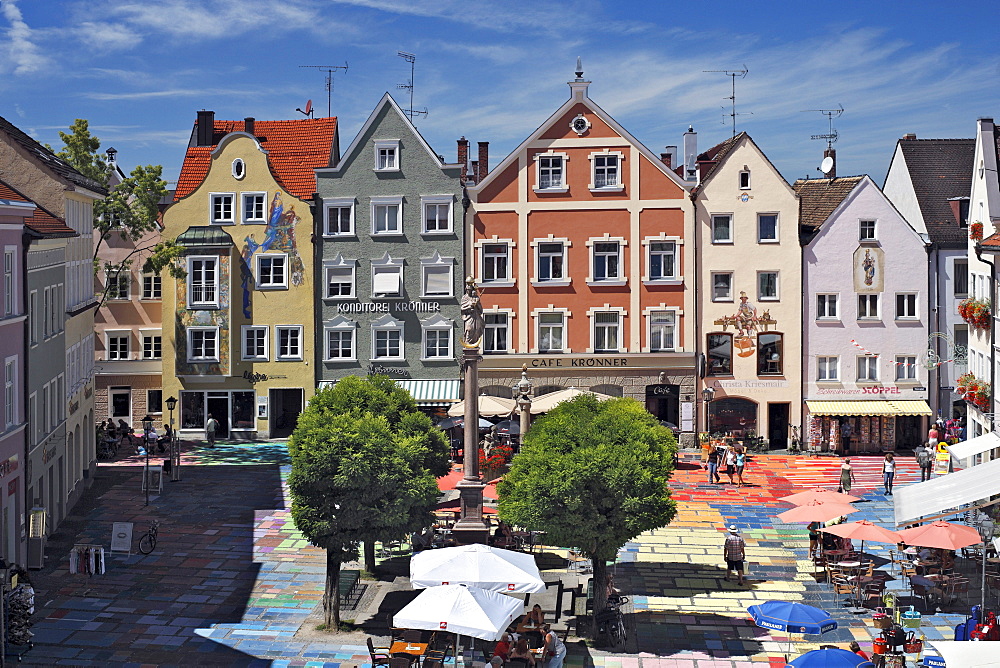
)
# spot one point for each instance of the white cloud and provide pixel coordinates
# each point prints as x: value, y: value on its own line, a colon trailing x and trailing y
x: 215, y: 19
x: 103, y: 36
x: 170, y: 93
x: 21, y: 50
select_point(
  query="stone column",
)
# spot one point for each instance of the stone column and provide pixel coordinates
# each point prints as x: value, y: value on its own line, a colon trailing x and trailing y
x: 470, y: 527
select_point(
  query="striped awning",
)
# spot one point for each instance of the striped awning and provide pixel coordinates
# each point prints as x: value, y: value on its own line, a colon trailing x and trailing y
x: 911, y: 407
x: 433, y: 392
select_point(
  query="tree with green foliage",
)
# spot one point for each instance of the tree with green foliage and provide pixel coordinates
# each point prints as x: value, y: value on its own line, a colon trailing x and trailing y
x: 592, y: 475
x: 130, y: 210
x: 365, y: 464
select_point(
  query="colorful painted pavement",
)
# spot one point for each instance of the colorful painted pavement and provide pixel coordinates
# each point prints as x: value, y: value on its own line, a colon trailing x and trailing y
x: 232, y: 580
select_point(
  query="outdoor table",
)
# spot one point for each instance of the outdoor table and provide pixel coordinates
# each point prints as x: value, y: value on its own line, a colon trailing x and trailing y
x: 849, y: 565
x: 522, y: 626
x: 859, y: 581
x: 835, y: 553
x: 416, y: 649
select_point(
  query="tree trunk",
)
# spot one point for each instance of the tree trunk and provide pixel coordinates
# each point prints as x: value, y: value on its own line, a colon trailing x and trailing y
x: 369, y: 556
x: 331, y: 594
x: 600, y: 567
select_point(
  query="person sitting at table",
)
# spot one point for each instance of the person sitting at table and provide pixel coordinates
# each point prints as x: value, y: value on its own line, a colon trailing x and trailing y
x: 535, y: 615
x: 947, y: 558
x: 929, y: 585
x: 503, y: 647
x: 925, y: 554
x: 521, y: 651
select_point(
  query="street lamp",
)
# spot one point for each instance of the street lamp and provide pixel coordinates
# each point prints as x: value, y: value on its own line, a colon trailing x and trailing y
x: 147, y: 426
x: 707, y: 395
x: 175, y: 452
x: 522, y: 393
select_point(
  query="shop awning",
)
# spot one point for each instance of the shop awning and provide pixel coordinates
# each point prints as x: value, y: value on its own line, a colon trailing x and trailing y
x: 960, y: 653
x: 910, y: 407
x: 944, y: 495
x: 433, y: 392
x: 976, y: 446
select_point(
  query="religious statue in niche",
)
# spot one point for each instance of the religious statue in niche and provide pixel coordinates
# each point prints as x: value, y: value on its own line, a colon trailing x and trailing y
x: 748, y: 324
x: 869, y: 266
x: 869, y: 269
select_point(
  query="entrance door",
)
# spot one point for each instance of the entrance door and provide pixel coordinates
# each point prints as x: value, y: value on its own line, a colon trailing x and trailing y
x: 120, y: 404
x: 218, y: 407
x: 663, y: 401
x: 285, y: 406
x: 777, y: 424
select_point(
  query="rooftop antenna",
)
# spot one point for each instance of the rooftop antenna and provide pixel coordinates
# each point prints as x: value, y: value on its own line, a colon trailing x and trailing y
x: 329, y: 69
x: 411, y: 59
x: 830, y: 114
x: 732, y: 98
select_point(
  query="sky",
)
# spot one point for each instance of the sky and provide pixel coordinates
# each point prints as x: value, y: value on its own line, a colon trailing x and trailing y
x: 494, y: 71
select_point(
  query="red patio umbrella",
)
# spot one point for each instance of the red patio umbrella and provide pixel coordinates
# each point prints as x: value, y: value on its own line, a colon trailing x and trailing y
x: 823, y: 495
x: 941, y: 534
x: 863, y: 530
x: 816, y: 512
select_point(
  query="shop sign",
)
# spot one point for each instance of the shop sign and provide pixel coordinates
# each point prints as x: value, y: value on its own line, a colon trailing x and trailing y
x: 8, y: 466
x: 379, y: 370
x: 578, y: 361
x: 384, y: 307
x: 748, y: 384
x: 948, y: 388
x: 255, y: 377
x: 862, y: 390
x: 74, y: 406
x: 919, y: 389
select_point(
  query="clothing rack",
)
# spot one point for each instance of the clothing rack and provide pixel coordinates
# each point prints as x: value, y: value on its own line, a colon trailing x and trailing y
x: 87, y: 558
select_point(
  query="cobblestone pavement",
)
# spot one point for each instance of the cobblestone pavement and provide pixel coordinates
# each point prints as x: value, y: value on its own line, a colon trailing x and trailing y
x: 231, y: 580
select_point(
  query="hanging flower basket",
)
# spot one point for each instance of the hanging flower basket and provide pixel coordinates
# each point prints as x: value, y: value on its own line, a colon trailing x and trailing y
x: 974, y: 390
x: 976, y: 231
x: 976, y: 312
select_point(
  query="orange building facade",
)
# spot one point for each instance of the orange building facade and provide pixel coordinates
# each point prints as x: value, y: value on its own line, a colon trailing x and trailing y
x: 578, y: 241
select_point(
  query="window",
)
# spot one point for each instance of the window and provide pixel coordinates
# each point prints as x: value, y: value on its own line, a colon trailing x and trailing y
x: 386, y: 155
x: 767, y: 227
x: 868, y: 367
x: 117, y: 346
x: 551, y: 262
x: 722, y: 286
x: 607, y: 171
x: 720, y: 354
x: 662, y: 326
x: 961, y: 278
x: 496, y: 263
x: 495, y: 334
x: 203, y: 344
x: 152, y: 286
x: 437, y: 276
x: 254, y: 343
x: 828, y: 368
x: 340, y: 279
x: 254, y: 208
x: 222, y: 208
x: 118, y: 285
x: 289, y: 342
x: 437, y: 214
x: 9, y: 298
x: 906, y: 367
x: 386, y: 215
x: 866, y: 230
x: 272, y: 271
x: 550, y: 172
x: 607, y: 326
x: 437, y: 338
x: 722, y: 229
x: 826, y: 306
x: 339, y: 217
x: 239, y: 169
x: 339, y: 344
x: 387, y: 339
x: 662, y: 260
x: 906, y: 306
x: 607, y: 261
x: 33, y: 316
x: 387, y: 277
x: 550, y: 333
x: 152, y: 346
x: 770, y: 355
x: 745, y: 179
x: 9, y: 398
x: 46, y: 302
x: 767, y: 285
x: 867, y: 306
x: 154, y: 401
x: 203, y: 281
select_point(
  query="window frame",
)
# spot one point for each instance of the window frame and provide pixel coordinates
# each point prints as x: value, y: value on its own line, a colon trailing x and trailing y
x: 191, y: 331
x: 427, y: 201
x: 122, y: 280
x: 565, y: 279
x: 340, y: 263
x: 868, y: 299
x: 259, y: 259
x: 296, y: 356
x: 217, y: 196
x: 712, y: 228
x: 508, y: 279
x: 388, y: 324
x: 258, y: 330
x: 835, y: 378
x: 150, y: 410
x: 10, y: 281
x: 508, y: 316
x: 870, y: 364
x: 620, y: 158
x: 777, y: 229
x: 117, y: 335
x: 152, y: 287
x: 151, y: 335
x: 387, y: 201
x: 563, y: 186
x: 618, y: 327
x: 744, y: 183
x: 909, y: 299
x: 562, y: 325
x: 727, y: 298
x: 777, y: 286
x: 620, y: 278
x: 10, y: 397
x: 709, y: 369
x: 960, y: 294
x: 338, y: 203
x: 762, y: 362
x: 676, y: 277
x: 387, y: 263
x: 340, y: 324
x: 675, y: 315
x: 437, y: 324
x: 909, y: 369
x: 245, y: 210
x: 435, y: 263
x: 867, y: 229
x: 823, y: 313
x: 380, y: 145
x: 203, y: 304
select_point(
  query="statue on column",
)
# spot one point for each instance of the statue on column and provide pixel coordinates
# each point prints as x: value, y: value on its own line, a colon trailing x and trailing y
x: 472, y: 315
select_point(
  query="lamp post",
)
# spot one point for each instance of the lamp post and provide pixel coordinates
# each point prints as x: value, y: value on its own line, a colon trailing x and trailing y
x: 707, y: 395
x: 147, y: 425
x: 175, y: 445
x: 522, y: 394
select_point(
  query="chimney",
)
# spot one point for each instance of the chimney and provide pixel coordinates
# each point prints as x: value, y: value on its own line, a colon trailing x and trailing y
x: 248, y: 125
x: 474, y: 175
x: 206, y: 128
x: 484, y: 161
x: 910, y: 135
x: 463, y: 158
x: 831, y: 153
x: 690, y: 154
x: 669, y: 157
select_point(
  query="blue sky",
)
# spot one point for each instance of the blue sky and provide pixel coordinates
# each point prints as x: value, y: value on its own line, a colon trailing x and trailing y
x: 139, y: 70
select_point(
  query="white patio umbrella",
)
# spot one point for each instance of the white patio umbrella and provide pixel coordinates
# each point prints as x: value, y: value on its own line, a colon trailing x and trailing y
x: 547, y: 402
x: 489, y: 406
x: 467, y: 611
x: 489, y: 568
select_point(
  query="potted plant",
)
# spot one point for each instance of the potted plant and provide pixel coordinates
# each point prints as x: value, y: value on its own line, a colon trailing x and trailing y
x: 976, y: 231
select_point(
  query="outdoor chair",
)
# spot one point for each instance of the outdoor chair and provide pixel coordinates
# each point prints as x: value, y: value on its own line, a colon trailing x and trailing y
x: 872, y: 591
x: 921, y: 592
x: 518, y: 662
x: 413, y: 635
x: 958, y: 587
x: 400, y: 661
x: 379, y: 655
x: 843, y: 587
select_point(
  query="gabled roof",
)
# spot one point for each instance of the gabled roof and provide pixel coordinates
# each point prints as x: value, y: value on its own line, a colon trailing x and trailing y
x: 40, y: 221
x: 820, y: 197
x: 991, y: 242
x: 59, y: 167
x: 716, y: 154
x: 294, y: 149
x: 940, y: 169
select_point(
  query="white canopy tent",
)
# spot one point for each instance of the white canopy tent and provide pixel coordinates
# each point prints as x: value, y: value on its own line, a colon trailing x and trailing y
x: 964, y: 451
x: 467, y: 611
x: 477, y: 565
x: 946, y: 494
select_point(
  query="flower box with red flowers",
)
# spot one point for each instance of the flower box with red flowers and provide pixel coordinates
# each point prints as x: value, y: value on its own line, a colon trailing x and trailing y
x: 974, y: 390
x: 976, y: 231
x: 976, y: 312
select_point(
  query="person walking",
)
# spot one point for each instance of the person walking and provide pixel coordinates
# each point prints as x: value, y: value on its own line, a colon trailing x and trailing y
x: 741, y: 462
x: 846, y: 476
x: 731, y: 463
x: 888, y: 472
x: 210, y: 428
x: 555, y: 648
x: 925, y: 459
x: 713, y: 467
x: 734, y: 552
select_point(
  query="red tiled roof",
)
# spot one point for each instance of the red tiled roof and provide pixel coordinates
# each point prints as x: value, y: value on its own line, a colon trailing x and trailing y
x: 715, y: 156
x: 40, y: 221
x: 819, y: 197
x: 294, y: 149
x: 992, y: 241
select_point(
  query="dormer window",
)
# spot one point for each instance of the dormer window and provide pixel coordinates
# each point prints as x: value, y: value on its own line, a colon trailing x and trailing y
x: 387, y: 155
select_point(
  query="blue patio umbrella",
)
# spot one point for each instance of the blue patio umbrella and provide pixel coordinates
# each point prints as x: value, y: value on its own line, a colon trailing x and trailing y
x: 830, y: 658
x: 792, y: 617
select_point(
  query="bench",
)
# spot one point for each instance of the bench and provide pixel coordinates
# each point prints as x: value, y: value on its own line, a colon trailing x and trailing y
x: 350, y: 588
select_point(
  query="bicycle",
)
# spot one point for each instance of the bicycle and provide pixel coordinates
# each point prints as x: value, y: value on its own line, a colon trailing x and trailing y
x: 611, y: 621
x: 147, y: 543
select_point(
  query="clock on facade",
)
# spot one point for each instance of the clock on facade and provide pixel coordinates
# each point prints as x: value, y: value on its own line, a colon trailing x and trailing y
x: 580, y: 124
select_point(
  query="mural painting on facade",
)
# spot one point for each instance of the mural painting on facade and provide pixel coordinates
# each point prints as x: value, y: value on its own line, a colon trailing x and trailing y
x: 868, y: 263
x: 747, y: 324
x: 279, y: 235
x: 187, y: 318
